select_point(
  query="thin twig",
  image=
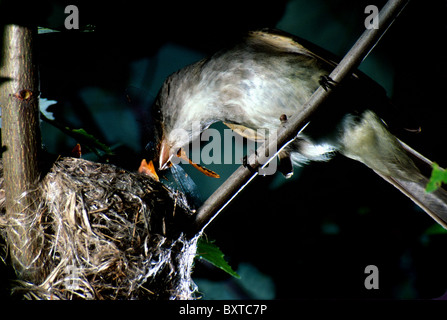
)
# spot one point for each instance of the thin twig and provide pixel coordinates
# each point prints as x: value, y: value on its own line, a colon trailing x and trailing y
x: 287, y: 132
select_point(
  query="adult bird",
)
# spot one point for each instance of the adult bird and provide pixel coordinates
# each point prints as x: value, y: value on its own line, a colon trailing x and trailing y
x: 266, y: 78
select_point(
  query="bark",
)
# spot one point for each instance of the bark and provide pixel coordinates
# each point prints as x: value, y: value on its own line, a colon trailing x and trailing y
x: 20, y: 134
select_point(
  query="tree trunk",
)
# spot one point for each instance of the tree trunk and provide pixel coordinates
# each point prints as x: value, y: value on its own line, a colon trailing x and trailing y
x: 20, y: 137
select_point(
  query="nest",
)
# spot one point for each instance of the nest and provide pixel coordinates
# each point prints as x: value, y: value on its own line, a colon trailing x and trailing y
x: 95, y: 231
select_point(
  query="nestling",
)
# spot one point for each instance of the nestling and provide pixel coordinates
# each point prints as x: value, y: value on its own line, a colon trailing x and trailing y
x: 266, y: 78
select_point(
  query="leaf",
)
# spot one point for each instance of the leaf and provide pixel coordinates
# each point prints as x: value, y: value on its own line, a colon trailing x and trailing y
x: 435, y: 229
x: 42, y: 30
x: 82, y: 136
x: 208, y: 251
x: 86, y: 28
x: 85, y: 136
x: 44, y: 104
x: 438, y: 176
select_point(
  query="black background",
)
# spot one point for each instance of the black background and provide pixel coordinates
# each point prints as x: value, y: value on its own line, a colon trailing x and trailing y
x: 312, y: 236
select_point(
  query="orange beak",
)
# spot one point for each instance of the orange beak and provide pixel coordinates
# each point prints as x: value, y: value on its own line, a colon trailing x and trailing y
x: 148, y: 169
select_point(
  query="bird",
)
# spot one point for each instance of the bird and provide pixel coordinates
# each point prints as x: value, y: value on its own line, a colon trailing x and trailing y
x: 258, y: 82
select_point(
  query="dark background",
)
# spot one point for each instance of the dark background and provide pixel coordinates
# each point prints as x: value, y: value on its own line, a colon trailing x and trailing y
x: 308, y: 237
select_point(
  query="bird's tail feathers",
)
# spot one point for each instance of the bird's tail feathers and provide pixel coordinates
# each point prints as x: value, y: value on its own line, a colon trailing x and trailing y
x: 433, y: 203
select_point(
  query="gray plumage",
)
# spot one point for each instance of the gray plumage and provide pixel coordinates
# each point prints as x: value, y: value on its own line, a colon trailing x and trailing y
x: 250, y: 85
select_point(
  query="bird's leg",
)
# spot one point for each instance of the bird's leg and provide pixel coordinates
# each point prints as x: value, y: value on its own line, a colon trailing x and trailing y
x: 327, y: 83
x: 285, y: 163
x: 248, y: 165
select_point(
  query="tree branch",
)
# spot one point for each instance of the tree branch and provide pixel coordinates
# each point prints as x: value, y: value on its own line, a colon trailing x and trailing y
x: 243, y: 175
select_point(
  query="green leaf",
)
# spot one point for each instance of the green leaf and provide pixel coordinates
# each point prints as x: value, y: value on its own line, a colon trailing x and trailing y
x: 435, y: 229
x: 85, y: 136
x: 86, y: 28
x: 42, y: 30
x: 81, y: 136
x: 208, y: 251
x: 438, y: 176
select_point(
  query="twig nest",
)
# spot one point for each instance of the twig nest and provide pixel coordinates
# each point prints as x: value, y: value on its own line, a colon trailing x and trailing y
x: 100, y: 232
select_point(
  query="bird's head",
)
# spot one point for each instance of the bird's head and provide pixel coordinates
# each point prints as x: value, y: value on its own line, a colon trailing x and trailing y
x: 179, y: 116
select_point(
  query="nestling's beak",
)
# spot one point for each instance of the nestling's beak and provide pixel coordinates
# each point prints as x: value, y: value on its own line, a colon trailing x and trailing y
x: 148, y: 169
x: 165, y: 155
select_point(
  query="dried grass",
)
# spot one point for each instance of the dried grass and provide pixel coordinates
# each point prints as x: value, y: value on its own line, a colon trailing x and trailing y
x: 96, y: 231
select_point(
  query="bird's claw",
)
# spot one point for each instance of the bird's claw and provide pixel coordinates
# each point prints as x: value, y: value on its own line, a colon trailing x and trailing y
x: 327, y: 83
x: 248, y: 165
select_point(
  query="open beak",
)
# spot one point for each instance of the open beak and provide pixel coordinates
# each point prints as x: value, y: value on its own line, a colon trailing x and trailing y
x: 148, y: 169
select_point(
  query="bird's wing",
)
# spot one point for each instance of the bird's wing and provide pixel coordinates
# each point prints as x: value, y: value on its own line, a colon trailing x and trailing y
x: 285, y: 42
x: 245, y: 131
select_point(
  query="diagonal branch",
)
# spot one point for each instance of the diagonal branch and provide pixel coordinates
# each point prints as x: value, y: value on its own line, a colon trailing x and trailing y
x: 243, y: 175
